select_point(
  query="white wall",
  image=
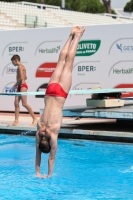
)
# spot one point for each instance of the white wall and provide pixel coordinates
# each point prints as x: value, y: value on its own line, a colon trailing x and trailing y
x: 108, y: 67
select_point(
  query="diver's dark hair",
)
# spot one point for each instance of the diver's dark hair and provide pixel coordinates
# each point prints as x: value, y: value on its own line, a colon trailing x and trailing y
x: 15, y: 57
x: 44, y: 145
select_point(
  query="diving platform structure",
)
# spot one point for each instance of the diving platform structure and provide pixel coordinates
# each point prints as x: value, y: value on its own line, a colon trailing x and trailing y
x: 105, y: 103
x: 120, y: 113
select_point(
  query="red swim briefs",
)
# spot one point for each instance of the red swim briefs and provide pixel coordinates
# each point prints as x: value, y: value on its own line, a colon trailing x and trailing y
x: 55, y: 89
x: 21, y: 86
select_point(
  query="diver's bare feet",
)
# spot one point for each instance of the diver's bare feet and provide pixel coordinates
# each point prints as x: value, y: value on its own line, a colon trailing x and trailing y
x: 76, y: 28
x: 34, y: 123
x: 80, y: 31
x: 13, y: 124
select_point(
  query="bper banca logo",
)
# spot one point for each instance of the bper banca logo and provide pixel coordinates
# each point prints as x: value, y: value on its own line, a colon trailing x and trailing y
x: 86, y: 68
x: 88, y: 47
x: 83, y: 70
x: 16, y: 49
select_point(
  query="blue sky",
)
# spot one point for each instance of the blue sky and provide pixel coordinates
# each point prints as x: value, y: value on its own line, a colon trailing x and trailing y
x: 118, y: 3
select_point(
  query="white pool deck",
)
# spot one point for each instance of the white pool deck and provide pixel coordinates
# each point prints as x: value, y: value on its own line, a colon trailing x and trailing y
x: 85, y: 128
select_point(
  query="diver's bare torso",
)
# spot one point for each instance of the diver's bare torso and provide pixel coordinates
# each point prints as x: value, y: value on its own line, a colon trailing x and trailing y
x: 52, y: 115
x: 24, y: 73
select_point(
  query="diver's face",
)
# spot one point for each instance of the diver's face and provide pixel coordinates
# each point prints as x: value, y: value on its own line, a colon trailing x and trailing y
x: 14, y: 62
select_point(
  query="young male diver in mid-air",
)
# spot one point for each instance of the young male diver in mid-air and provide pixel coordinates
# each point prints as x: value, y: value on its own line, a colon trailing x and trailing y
x: 56, y: 94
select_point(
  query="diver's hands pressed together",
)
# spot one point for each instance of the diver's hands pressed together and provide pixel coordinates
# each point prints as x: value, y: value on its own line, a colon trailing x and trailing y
x: 41, y: 132
x: 41, y: 128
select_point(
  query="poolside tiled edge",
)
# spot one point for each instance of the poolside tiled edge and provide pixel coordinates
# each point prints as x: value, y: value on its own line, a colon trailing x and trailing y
x: 69, y: 133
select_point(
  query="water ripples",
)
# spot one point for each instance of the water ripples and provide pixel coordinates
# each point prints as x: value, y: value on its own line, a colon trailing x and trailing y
x: 87, y: 170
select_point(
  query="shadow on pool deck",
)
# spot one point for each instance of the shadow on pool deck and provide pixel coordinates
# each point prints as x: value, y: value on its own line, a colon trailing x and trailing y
x: 91, y: 129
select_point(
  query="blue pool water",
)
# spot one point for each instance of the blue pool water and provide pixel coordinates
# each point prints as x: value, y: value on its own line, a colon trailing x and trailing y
x: 83, y: 170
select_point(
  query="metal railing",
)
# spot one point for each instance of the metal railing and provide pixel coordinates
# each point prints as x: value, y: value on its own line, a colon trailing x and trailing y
x: 34, y: 22
x: 38, y: 5
x: 117, y: 16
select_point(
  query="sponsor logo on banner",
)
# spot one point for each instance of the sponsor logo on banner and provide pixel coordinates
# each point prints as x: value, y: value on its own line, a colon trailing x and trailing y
x: 124, y: 45
x: 125, y: 85
x: 45, y: 70
x: 122, y: 69
x: 8, y: 86
x: 42, y: 88
x: 48, y: 47
x: 86, y: 69
x: 88, y: 47
x: 11, y: 70
x: 49, y: 50
x: 14, y: 48
x: 125, y: 48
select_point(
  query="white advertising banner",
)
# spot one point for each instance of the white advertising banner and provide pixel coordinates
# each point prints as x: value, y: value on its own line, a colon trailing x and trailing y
x: 104, y: 57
